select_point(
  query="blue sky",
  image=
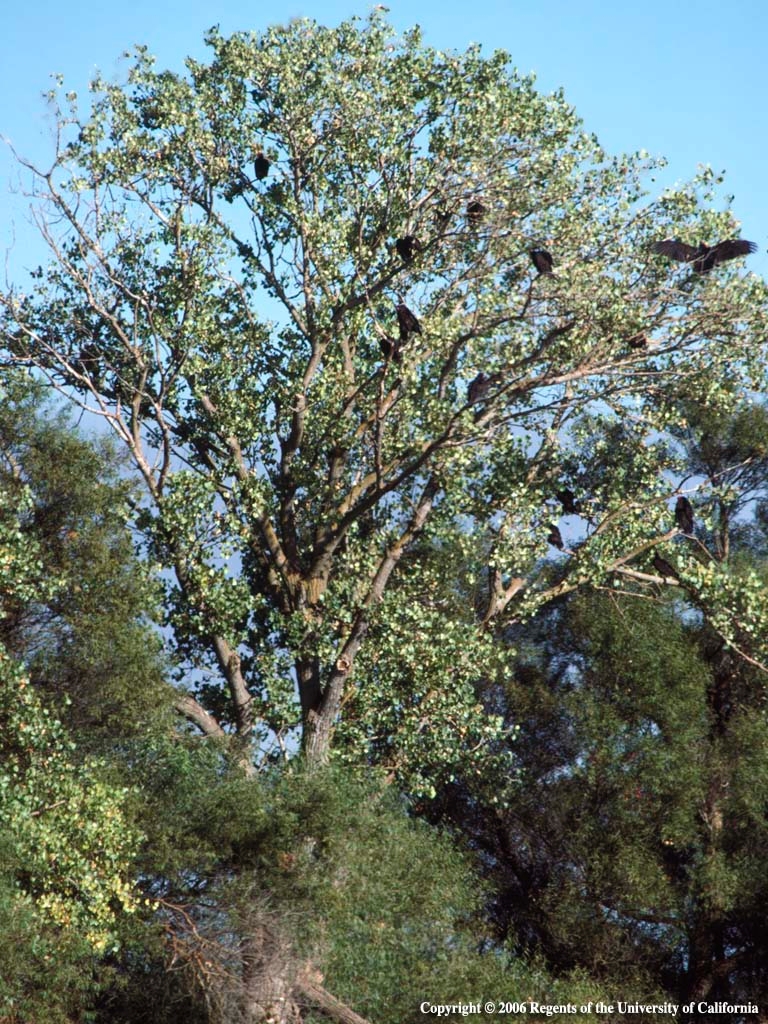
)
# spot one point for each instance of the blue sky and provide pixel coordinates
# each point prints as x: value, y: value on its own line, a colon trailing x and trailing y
x: 680, y: 80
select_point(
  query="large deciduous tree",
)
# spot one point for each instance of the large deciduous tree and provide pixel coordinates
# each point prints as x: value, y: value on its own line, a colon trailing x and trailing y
x: 223, y: 294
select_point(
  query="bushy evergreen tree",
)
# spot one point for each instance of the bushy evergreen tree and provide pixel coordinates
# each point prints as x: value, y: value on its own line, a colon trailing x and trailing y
x: 635, y: 847
x: 67, y: 845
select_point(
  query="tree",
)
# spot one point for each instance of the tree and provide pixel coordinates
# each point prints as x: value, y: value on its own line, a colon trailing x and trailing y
x: 227, y: 328
x: 89, y: 644
x: 223, y: 292
x: 635, y: 847
x: 317, y: 888
x: 66, y: 844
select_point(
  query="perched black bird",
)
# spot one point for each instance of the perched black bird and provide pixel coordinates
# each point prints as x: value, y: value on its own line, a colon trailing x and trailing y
x: 684, y: 515
x: 407, y: 246
x: 260, y: 166
x: 390, y: 348
x: 555, y: 538
x: 245, y: 251
x: 637, y: 341
x: 542, y: 260
x: 478, y: 388
x: 704, y: 257
x: 663, y: 567
x: 407, y: 322
x: 235, y: 188
x: 567, y: 499
x: 475, y: 212
x: 88, y: 362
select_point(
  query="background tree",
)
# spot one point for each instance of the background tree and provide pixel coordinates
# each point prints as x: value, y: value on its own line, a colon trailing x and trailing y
x: 634, y: 849
x: 66, y: 843
x: 88, y: 643
x: 317, y: 887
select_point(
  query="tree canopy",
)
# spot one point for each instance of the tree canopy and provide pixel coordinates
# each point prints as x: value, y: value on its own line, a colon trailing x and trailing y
x: 227, y: 324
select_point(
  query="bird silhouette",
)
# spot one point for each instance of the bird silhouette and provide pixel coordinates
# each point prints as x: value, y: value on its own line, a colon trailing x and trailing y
x: 407, y: 246
x: 478, y: 388
x: 407, y: 322
x: 567, y: 499
x: 555, y: 538
x: 542, y: 260
x: 704, y: 257
x: 390, y: 348
x: 475, y: 212
x: 663, y: 567
x: 260, y: 166
x: 684, y: 515
x: 638, y: 341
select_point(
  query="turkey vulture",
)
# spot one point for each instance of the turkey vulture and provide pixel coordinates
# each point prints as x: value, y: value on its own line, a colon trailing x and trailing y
x: 704, y: 257
x: 407, y: 322
x: 390, y: 348
x: 260, y: 166
x: 407, y: 246
x: 542, y: 260
x: 684, y: 515
x: 478, y: 388
x: 663, y: 567
x: 567, y: 499
x: 555, y: 538
x: 475, y: 212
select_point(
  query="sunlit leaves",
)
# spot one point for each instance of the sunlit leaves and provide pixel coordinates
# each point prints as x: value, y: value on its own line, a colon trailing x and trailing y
x: 229, y: 320
x: 69, y: 827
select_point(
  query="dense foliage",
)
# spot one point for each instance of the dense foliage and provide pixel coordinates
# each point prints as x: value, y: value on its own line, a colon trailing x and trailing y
x: 225, y: 318
x: 67, y: 846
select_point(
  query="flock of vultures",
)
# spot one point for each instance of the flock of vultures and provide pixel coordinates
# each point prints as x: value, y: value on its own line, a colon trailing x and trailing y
x: 702, y: 259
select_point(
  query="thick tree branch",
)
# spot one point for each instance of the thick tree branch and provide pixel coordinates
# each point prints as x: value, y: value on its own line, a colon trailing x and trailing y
x: 315, y: 995
x: 187, y: 706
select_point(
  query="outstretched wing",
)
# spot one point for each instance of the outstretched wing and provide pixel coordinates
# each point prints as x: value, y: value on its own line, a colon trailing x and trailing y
x: 731, y: 248
x: 676, y: 250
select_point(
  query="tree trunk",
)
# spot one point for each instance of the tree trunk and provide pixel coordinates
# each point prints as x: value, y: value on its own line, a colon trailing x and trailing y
x: 701, y: 962
x: 316, y: 741
x: 317, y: 721
x: 268, y: 980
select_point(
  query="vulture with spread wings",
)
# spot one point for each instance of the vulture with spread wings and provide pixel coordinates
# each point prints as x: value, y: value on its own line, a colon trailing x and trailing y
x: 704, y: 257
